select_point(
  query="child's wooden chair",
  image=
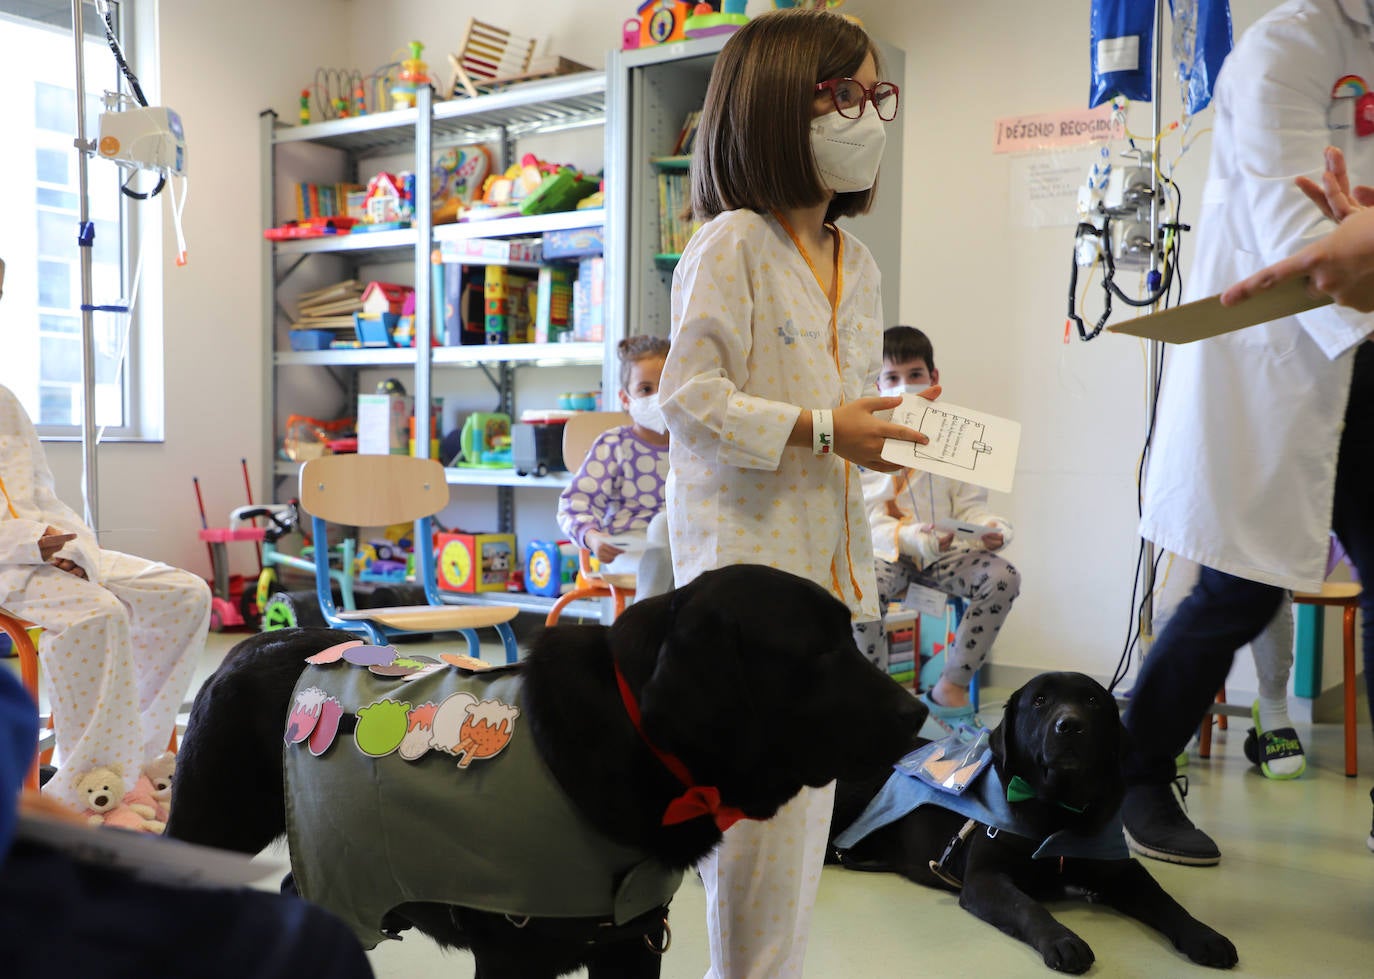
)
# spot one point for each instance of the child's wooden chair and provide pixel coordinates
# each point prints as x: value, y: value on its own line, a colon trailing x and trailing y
x: 22, y: 636
x: 580, y: 431
x: 377, y: 491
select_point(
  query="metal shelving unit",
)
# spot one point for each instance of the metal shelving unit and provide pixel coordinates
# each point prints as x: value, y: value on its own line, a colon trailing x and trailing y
x: 556, y: 105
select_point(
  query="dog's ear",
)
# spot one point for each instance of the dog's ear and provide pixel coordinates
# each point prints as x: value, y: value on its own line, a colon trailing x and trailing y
x: 998, y: 739
x: 696, y: 692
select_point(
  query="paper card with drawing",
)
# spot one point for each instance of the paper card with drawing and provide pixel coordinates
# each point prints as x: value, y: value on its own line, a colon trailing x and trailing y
x: 967, y: 445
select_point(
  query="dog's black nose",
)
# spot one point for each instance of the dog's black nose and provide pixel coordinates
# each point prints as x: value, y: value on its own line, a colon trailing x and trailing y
x: 1068, y: 724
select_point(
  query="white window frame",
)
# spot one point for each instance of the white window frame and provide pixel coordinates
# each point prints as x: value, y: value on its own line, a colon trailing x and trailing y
x: 21, y: 314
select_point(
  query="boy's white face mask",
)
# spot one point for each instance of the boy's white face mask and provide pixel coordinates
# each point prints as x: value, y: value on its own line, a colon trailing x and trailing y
x: 897, y: 390
x: 645, y: 411
x: 848, y: 151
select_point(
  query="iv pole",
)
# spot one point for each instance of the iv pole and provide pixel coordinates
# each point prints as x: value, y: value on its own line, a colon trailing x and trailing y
x: 1155, y: 352
x: 90, y: 482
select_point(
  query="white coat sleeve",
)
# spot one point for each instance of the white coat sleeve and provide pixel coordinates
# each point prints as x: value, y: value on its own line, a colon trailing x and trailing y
x: 969, y: 503
x: 1280, y: 129
x: 702, y: 387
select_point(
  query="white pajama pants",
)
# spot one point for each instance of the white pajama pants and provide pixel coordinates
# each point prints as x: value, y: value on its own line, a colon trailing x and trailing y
x: 117, y: 658
x: 761, y: 885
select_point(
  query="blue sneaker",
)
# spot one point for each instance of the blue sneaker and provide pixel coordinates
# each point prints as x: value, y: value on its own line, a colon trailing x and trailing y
x: 951, y: 719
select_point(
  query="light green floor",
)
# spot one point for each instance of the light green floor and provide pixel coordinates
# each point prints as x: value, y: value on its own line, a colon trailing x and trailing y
x: 1294, y: 891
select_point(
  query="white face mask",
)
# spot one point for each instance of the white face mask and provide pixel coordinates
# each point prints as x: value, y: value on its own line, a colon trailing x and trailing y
x: 848, y: 151
x: 646, y: 412
x: 897, y: 390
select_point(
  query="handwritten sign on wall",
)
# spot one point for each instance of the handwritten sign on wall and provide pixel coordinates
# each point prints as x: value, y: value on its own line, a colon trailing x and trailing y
x: 1055, y: 130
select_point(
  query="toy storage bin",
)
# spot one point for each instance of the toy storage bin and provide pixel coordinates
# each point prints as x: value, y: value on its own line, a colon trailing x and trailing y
x: 311, y: 339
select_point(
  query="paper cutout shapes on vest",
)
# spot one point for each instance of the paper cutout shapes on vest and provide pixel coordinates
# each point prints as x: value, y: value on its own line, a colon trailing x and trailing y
x: 331, y: 713
x: 419, y: 728
x: 381, y: 727
x: 333, y: 654
x: 305, y: 714
x: 465, y: 662
x: 369, y: 655
x: 471, y: 730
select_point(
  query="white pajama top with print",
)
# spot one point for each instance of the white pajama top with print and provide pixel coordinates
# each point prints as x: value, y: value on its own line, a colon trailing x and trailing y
x: 751, y: 348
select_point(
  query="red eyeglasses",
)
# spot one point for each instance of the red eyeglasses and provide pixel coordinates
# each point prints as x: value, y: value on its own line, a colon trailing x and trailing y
x: 850, y: 96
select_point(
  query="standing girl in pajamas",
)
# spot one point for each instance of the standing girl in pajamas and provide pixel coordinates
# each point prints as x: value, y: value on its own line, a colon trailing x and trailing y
x: 121, y: 634
x: 777, y: 337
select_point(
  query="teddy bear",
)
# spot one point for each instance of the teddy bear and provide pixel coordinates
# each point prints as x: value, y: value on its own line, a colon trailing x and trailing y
x: 154, y: 786
x: 102, y: 789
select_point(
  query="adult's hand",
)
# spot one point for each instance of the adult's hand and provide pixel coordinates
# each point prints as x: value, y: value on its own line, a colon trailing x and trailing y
x: 993, y: 541
x: 71, y: 567
x: 1341, y: 265
x: 859, y: 434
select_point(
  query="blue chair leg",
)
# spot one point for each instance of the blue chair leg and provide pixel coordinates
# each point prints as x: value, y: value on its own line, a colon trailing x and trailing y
x: 474, y: 645
x: 507, y: 635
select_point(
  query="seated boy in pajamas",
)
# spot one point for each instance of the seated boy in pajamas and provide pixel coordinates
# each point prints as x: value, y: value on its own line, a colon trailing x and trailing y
x: 902, y: 510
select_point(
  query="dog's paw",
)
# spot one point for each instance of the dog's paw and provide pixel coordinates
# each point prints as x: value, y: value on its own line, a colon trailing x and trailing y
x: 1067, y: 953
x: 1207, y: 947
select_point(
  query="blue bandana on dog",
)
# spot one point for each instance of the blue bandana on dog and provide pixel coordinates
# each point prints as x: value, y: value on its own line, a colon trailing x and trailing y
x: 984, y: 800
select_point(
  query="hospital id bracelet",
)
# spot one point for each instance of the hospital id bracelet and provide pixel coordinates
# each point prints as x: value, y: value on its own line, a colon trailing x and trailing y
x: 822, y: 432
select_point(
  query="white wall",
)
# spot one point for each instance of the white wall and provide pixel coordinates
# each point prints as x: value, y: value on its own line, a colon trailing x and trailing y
x: 992, y: 294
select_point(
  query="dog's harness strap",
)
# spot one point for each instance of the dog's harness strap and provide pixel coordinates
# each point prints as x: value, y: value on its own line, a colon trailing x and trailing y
x: 938, y: 868
x: 697, y: 800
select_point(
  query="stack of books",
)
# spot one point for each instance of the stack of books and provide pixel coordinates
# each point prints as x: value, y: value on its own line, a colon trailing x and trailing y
x: 324, y: 200
x: 675, y: 224
x: 329, y: 308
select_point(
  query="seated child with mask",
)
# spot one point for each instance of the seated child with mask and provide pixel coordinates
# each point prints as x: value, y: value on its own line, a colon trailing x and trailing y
x: 903, y: 508
x: 617, y: 494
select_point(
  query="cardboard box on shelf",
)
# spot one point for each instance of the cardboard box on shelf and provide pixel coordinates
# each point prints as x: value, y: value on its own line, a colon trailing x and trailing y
x: 383, y: 424
x: 589, y: 306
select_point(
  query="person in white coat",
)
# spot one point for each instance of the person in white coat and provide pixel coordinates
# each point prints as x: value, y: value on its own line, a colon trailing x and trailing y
x: 776, y: 339
x: 121, y: 634
x: 903, y: 511
x: 1265, y: 436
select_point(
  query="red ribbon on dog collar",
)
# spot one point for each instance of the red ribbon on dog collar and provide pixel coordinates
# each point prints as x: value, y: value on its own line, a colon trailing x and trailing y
x: 697, y: 800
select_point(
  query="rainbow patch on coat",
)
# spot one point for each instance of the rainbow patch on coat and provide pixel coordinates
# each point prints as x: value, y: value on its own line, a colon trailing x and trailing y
x: 1349, y: 87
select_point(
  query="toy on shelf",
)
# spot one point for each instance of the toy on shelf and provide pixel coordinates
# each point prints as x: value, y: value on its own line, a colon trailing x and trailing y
x: 474, y: 562
x: 550, y: 567
x: 722, y: 17
x: 414, y: 73
x: 456, y: 180
x: 532, y: 186
x: 492, y: 57
x: 390, y: 202
x: 485, y: 441
x: 656, y: 22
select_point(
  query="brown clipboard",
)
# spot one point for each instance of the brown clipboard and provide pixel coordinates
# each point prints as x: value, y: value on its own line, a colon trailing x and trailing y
x: 1208, y: 317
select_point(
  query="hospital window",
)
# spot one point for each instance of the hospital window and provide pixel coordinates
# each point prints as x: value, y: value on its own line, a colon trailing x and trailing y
x: 40, y: 314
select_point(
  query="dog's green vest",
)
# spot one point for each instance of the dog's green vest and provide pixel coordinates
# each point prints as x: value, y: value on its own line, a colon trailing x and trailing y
x: 370, y: 833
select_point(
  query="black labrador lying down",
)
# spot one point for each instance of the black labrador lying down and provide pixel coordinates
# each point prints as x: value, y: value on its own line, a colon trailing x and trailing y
x: 646, y: 739
x: 1056, y: 768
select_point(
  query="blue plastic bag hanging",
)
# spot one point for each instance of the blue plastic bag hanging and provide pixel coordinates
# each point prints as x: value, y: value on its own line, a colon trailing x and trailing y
x: 1122, y: 33
x: 1202, y: 40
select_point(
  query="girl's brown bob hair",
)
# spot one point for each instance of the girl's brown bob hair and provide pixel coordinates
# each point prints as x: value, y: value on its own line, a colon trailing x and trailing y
x: 753, y: 146
x: 639, y: 347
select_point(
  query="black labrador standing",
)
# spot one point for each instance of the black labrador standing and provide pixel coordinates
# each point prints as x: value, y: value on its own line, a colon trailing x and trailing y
x: 1061, y: 740
x: 748, y: 675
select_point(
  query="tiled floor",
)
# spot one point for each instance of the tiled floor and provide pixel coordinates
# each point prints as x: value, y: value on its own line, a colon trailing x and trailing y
x: 1294, y: 891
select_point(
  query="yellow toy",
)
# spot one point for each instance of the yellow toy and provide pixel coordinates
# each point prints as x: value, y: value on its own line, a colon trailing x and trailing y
x: 414, y: 73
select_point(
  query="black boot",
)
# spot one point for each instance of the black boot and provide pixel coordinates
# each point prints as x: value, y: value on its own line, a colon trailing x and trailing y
x: 1156, y: 825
